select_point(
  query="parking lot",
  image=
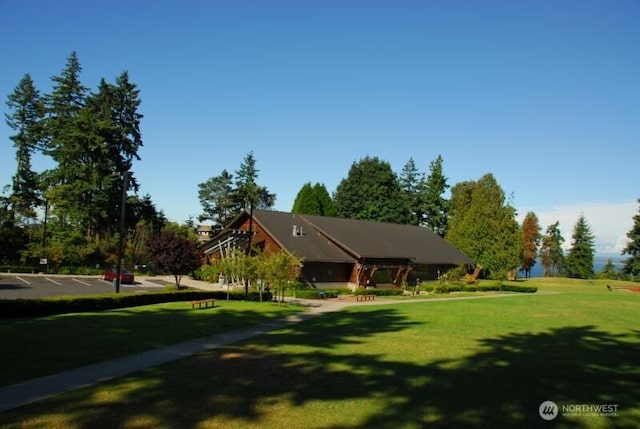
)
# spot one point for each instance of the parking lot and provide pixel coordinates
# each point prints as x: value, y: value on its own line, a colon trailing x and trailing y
x: 29, y: 286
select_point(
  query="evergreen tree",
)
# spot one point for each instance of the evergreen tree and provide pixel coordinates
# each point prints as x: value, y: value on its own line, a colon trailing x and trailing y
x: 313, y: 200
x: 26, y: 118
x: 609, y: 271
x: 579, y: 263
x: 483, y: 226
x: 632, y: 264
x: 530, y: 242
x: 410, y: 180
x: 371, y: 191
x: 247, y: 190
x: 223, y: 197
x: 218, y: 200
x: 435, y: 205
x: 14, y: 238
x: 327, y: 205
x: 305, y: 202
x: 69, y: 133
x: 551, y: 254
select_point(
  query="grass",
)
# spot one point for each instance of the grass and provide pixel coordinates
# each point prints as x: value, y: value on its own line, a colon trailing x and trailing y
x: 463, y: 364
x: 37, y: 347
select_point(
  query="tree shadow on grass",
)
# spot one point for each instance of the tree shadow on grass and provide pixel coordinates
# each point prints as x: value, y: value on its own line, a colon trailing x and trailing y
x: 501, y: 385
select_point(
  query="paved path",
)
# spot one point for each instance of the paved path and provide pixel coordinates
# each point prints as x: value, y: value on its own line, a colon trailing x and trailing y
x: 16, y: 395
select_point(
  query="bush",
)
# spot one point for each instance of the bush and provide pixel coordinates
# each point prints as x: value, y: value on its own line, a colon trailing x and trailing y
x: 379, y: 292
x: 424, y: 287
x: 519, y: 288
x: 18, y: 308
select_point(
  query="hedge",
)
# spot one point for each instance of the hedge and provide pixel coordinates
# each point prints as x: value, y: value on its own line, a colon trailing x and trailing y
x: 18, y: 308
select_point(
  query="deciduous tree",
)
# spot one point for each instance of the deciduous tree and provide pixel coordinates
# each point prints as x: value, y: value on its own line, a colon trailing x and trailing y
x: 173, y: 253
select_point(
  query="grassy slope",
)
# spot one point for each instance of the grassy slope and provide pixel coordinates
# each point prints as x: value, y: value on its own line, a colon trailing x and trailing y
x: 472, y: 363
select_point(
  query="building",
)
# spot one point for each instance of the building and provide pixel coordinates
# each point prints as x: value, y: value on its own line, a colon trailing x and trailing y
x: 205, y: 232
x: 341, y: 252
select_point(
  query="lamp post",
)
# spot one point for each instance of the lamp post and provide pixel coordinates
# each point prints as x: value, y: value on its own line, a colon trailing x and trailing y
x: 125, y: 181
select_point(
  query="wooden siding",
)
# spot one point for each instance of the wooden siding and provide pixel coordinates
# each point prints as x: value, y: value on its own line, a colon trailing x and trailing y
x: 260, y: 238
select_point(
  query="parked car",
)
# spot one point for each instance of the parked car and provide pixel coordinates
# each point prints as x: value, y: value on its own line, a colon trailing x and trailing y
x: 125, y: 276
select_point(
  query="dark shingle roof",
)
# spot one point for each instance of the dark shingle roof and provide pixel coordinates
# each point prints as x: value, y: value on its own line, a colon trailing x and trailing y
x: 345, y: 240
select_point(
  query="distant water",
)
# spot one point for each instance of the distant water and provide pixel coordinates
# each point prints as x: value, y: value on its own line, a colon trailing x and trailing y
x: 598, y: 265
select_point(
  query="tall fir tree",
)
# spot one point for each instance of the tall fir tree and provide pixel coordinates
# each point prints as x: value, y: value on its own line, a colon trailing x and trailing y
x: 435, y: 205
x: 632, y: 263
x: 66, y: 139
x: 247, y: 190
x: 26, y: 119
x: 410, y: 180
x: 551, y: 253
x: 530, y: 242
x: 579, y: 263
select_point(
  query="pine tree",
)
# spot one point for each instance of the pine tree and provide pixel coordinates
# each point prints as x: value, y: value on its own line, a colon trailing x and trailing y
x: 435, y: 205
x: 371, y: 191
x: 223, y: 197
x: 248, y: 191
x: 530, y: 242
x: 26, y: 118
x: 410, y: 179
x: 632, y: 264
x: 551, y: 254
x: 218, y: 200
x: 579, y: 263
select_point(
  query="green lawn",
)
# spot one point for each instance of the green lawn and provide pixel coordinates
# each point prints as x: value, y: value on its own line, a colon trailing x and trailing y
x: 486, y: 363
x: 36, y: 347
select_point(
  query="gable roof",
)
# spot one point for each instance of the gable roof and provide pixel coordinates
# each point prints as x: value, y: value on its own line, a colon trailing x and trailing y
x: 331, y: 239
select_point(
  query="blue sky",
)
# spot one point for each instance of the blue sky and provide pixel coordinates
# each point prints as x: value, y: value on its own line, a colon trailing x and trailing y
x: 543, y: 94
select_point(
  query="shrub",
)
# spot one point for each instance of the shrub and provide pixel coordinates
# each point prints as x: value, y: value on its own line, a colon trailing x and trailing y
x: 424, y: 287
x: 379, y: 292
x: 520, y: 288
x: 17, y: 308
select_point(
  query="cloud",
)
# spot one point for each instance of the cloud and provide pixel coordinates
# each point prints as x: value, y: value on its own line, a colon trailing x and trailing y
x: 609, y: 222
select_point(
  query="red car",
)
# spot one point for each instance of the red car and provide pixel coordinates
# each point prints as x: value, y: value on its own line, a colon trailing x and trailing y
x: 125, y: 276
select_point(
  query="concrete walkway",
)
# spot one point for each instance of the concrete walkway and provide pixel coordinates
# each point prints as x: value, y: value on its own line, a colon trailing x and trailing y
x: 16, y: 395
